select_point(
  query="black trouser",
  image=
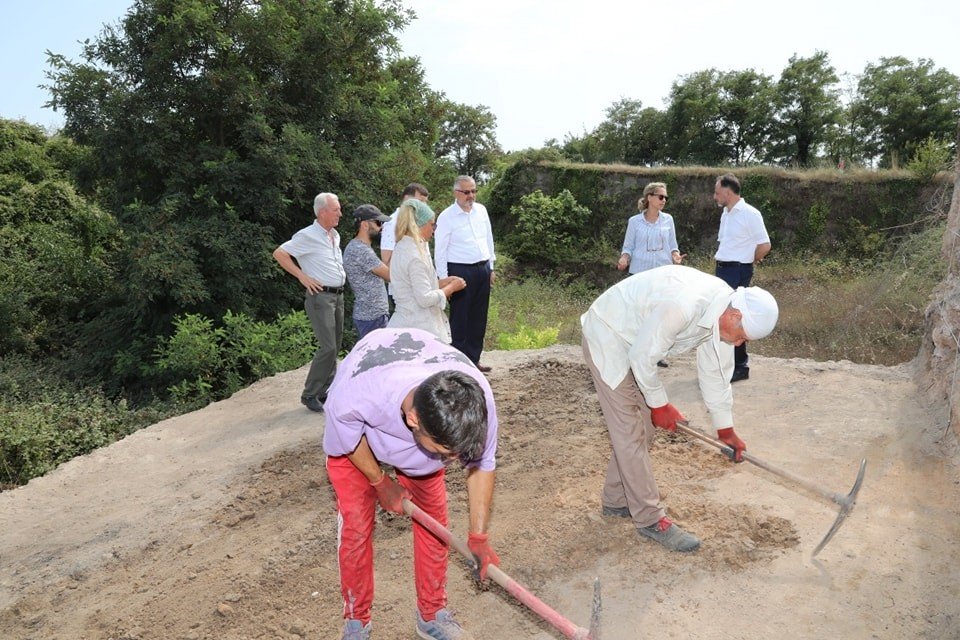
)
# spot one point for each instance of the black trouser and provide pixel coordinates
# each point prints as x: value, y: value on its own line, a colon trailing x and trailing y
x: 737, y: 274
x: 468, y: 308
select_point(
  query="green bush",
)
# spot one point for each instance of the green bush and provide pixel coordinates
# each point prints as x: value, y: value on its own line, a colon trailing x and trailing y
x: 526, y: 337
x: 46, y: 420
x: 550, y: 231
x: 931, y: 157
x: 208, y: 362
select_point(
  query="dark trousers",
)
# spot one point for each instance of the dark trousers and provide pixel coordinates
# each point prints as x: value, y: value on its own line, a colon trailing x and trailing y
x: 737, y: 275
x: 468, y: 308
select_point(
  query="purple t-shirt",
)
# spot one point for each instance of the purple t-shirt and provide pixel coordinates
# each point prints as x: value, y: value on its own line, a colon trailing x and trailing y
x: 372, y: 382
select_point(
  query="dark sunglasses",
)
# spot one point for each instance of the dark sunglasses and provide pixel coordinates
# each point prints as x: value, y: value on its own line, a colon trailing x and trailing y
x: 466, y: 191
x: 662, y: 197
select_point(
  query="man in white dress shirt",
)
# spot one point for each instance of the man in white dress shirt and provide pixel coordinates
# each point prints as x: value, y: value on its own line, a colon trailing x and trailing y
x: 631, y: 326
x: 464, y: 248
x: 743, y: 242
x: 313, y: 257
x: 388, y: 238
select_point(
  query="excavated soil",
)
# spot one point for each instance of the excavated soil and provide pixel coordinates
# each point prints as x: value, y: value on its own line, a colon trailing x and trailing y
x: 220, y: 524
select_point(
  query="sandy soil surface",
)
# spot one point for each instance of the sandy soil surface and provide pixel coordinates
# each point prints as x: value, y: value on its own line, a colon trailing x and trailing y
x: 220, y: 524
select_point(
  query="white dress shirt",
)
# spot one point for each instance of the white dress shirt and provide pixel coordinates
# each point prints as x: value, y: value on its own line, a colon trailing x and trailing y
x: 388, y: 239
x: 658, y: 313
x: 318, y: 254
x: 741, y: 230
x: 465, y: 237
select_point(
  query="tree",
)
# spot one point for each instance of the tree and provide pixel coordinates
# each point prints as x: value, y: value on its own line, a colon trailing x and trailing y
x: 719, y: 117
x: 694, y: 119
x: 468, y: 138
x: 902, y: 104
x: 632, y: 134
x: 746, y: 115
x: 216, y: 122
x: 57, y: 248
x: 808, y: 108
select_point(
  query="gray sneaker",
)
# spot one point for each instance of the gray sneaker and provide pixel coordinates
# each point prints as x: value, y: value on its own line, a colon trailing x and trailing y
x: 356, y: 630
x: 671, y: 536
x: 615, y: 512
x: 443, y: 627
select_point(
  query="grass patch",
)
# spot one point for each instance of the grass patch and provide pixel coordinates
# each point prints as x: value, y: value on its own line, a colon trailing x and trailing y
x: 535, y: 311
x: 830, y: 309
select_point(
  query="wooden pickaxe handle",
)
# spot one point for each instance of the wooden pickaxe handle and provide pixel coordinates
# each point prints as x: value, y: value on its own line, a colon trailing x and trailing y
x: 514, y: 588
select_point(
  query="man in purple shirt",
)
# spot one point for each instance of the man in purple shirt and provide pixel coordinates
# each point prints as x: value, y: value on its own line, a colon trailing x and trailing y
x: 404, y: 398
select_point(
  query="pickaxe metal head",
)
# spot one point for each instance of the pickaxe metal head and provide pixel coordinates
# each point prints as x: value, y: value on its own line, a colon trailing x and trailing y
x: 847, y: 503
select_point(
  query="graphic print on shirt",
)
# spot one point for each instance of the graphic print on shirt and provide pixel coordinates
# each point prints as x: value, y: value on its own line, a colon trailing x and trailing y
x: 404, y: 348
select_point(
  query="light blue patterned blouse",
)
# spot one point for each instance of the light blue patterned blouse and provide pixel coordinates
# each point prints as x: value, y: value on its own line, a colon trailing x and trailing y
x: 650, y: 244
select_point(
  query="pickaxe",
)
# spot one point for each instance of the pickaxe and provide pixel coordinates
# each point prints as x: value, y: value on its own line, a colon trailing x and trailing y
x: 846, y: 502
x: 514, y: 588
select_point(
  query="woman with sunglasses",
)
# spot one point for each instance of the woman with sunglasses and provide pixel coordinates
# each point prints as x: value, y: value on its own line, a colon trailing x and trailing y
x: 420, y: 298
x: 651, y: 239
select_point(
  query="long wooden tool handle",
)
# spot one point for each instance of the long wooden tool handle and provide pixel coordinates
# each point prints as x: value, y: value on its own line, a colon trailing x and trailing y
x: 783, y: 473
x: 514, y: 588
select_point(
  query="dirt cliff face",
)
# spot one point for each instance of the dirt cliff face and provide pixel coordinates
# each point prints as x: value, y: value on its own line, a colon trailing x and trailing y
x: 938, y: 364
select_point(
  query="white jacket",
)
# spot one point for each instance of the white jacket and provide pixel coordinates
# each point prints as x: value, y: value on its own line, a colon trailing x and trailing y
x: 657, y: 313
x: 416, y: 291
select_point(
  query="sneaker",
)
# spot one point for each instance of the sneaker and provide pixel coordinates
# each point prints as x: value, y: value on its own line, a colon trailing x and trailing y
x: 313, y: 404
x: 741, y: 373
x: 356, y: 630
x: 671, y: 536
x: 443, y: 627
x: 615, y: 512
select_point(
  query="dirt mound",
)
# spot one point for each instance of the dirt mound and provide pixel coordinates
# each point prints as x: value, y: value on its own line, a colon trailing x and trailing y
x: 220, y: 524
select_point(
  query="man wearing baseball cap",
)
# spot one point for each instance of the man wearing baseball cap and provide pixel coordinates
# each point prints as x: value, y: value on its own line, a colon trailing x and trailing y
x: 632, y: 325
x: 366, y: 273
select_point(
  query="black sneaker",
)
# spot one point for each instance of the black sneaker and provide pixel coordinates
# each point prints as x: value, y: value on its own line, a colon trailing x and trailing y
x: 671, y: 536
x: 313, y: 404
x: 743, y: 373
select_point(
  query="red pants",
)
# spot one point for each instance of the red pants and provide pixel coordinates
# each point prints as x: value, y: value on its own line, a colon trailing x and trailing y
x: 356, y: 511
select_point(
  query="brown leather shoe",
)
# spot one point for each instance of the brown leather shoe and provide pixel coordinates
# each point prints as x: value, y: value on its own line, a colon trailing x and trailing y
x: 484, y: 368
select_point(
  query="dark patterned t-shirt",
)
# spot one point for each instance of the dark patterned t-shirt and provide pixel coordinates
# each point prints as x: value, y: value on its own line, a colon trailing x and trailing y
x: 369, y: 289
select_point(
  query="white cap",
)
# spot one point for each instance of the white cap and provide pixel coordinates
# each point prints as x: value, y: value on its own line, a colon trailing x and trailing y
x: 759, y: 311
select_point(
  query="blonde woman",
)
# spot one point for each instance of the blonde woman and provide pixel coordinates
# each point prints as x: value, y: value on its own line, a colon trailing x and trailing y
x: 651, y: 239
x: 419, y: 296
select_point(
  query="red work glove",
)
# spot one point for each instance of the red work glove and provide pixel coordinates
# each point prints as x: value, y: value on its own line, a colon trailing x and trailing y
x: 483, y: 553
x: 732, y: 440
x: 666, y: 417
x: 390, y: 494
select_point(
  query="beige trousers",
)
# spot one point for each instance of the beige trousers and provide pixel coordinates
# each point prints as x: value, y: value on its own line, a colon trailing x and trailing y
x: 630, y: 482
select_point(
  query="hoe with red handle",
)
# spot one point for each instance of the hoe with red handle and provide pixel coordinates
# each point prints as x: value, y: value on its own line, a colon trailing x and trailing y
x: 538, y: 606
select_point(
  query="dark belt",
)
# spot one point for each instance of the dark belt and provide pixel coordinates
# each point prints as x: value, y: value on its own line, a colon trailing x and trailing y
x: 334, y: 290
x: 471, y: 264
x: 732, y: 264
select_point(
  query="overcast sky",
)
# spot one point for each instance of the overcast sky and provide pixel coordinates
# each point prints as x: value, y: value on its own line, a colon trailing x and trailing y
x: 550, y: 68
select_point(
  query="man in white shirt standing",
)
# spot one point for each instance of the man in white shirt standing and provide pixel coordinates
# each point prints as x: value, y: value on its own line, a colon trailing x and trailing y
x: 464, y: 248
x: 632, y: 325
x: 313, y: 257
x: 743, y: 242
x: 388, y: 238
